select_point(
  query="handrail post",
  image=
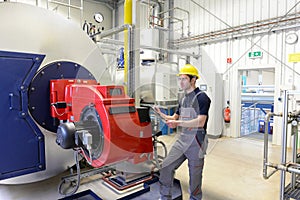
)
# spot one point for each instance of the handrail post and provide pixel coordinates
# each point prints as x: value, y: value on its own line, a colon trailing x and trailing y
x: 284, y: 142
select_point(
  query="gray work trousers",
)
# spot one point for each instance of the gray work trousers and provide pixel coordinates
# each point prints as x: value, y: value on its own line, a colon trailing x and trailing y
x: 186, y: 147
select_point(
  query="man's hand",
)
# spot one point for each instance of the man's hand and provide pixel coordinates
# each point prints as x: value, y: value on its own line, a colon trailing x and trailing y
x: 157, y: 109
x: 173, y: 123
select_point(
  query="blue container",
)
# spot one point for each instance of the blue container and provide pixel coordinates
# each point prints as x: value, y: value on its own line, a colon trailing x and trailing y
x: 261, y: 126
x: 162, y: 126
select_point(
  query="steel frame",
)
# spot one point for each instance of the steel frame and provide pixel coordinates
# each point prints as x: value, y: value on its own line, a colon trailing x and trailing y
x: 292, y: 190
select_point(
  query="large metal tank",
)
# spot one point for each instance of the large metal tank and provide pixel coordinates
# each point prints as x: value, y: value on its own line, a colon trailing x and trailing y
x: 157, y: 83
x: 30, y: 29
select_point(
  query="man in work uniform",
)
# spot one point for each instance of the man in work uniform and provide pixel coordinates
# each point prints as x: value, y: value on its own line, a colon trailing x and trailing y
x: 191, y: 117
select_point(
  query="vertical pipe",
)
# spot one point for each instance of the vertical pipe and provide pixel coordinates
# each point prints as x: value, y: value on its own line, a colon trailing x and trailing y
x: 127, y: 20
x: 81, y: 13
x: 134, y: 89
x: 294, y: 150
x: 116, y: 24
x: 171, y: 28
x: 160, y: 33
x: 266, y: 143
x: 131, y: 63
x: 254, y: 116
x: 284, y: 142
x: 69, y: 9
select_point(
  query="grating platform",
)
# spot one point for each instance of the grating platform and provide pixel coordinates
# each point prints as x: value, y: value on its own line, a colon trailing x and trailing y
x: 154, y: 191
x: 100, y: 189
x: 293, y: 193
x: 150, y: 190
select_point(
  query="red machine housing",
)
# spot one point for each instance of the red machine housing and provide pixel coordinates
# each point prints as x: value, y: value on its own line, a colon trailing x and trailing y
x: 125, y: 137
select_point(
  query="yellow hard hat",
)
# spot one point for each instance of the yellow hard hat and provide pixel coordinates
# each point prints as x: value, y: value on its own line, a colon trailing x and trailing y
x: 189, y: 70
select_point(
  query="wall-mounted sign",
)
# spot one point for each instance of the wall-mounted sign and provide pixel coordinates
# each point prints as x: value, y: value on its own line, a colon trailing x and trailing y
x: 255, y: 54
x: 294, y: 57
x: 229, y: 60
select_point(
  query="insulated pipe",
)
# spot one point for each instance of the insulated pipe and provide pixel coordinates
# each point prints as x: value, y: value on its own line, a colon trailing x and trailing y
x: 127, y: 20
x: 112, y: 31
x: 131, y: 62
x: 176, y: 52
x: 128, y: 54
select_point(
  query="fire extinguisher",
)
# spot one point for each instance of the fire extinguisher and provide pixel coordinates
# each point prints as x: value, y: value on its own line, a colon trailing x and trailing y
x: 226, y: 113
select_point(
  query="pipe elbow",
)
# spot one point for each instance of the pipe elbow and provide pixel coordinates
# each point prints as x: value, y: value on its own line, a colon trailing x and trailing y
x: 268, y: 116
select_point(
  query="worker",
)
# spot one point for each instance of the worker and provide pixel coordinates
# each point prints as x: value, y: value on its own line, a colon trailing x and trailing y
x: 191, y: 119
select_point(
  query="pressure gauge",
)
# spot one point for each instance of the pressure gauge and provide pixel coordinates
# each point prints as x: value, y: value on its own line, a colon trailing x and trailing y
x: 98, y: 17
x: 291, y: 38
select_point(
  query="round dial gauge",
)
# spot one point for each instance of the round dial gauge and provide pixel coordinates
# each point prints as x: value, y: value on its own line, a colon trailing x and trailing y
x: 98, y: 17
x: 291, y: 38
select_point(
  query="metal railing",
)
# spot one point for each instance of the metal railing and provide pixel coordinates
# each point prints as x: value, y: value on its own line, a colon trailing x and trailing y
x: 292, y: 167
x: 69, y: 6
x: 249, y: 119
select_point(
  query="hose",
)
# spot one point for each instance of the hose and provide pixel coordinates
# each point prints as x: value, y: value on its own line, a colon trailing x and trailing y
x: 76, y: 155
x: 86, y: 27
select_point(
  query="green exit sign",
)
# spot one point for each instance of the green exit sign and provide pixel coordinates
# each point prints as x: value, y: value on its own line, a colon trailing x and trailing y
x: 255, y: 54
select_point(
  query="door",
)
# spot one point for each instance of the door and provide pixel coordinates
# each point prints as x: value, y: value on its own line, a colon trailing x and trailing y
x: 22, y: 142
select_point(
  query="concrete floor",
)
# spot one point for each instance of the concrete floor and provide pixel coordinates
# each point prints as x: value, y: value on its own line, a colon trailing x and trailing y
x: 232, y: 171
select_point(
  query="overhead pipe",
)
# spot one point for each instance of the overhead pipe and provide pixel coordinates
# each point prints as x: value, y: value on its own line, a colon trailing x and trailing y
x: 242, y: 30
x: 181, y: 53
x: 113, y: 31
x: 245, y: 27
x: 157, y: 49
x: 207, y: 40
